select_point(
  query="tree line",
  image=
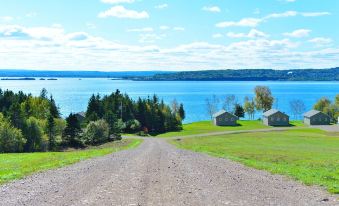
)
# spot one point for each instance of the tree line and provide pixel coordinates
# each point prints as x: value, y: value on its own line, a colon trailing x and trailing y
x: 28, y: 123
x: 34, y: 124
x: 245, y: 75
x: 263, y: 101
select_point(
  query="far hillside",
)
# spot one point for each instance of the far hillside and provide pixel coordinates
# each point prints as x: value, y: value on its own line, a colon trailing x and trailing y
x: 246, y: 75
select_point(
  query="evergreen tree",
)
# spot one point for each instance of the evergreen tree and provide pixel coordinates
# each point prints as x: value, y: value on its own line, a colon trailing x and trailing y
x: 182, y: 112
x: 16, y: 116
x: 239, y: 111
x: 51, y: 132
x: 71, y: 134
x: 94, y: 108
x: 54, y: 110
x: 112, y: 121
x: 43, y: 93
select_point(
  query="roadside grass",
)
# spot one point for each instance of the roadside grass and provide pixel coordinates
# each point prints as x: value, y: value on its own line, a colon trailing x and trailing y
x: 308, y: 155
x: 18, y: 165
x: 204, y: 127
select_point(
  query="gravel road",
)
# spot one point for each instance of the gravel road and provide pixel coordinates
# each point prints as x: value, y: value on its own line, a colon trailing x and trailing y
x: 156, y: 173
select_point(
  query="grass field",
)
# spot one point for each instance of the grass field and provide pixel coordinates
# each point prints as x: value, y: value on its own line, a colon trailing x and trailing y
x: 208, y: 127
x: 308, y: 155
x: 16, y: 166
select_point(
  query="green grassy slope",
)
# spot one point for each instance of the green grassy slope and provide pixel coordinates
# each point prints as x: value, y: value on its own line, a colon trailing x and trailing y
x: 16, y: 166
x: 208, y: 127
x: 309, y: 155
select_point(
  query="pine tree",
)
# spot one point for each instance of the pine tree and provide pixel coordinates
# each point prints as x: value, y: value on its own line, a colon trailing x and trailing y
x: 94, y: 108
x: 43, y: 93
x: 51, y: 132
x: 71, y: 134
x: 181, y: 112
x: 239, y: 111
x: 54, y: 110
x: 15, y: 115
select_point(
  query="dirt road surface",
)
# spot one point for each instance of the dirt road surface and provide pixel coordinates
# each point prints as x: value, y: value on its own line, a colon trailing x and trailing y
x: 156, y: 173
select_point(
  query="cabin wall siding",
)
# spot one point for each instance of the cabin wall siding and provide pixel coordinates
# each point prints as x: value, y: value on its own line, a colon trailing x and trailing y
x: 277, y: 119
x: 318, y: 119
x: 225, y: 120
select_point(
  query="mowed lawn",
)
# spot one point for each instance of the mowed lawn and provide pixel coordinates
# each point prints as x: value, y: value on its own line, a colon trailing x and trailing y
x: 308, y: 155
x: 16, y: 166
x: 204, y: 127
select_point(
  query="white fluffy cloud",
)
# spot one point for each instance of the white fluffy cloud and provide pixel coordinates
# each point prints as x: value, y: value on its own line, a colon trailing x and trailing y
x: 320, y: 41
x: 6, y: 18
x: 122, y: 12
x: 251, y: 34
x: 53, y: 48
x: 315, y: 14
x: 246, y: 22
x: 253, y: 22
x: 298, y: 33
x: 213, y: 9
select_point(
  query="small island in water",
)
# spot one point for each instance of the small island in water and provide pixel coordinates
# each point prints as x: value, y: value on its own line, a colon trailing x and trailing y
x: 25, y: 78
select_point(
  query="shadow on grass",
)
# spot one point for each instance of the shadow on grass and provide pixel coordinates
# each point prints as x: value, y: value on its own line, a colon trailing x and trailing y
x: 235, y: 125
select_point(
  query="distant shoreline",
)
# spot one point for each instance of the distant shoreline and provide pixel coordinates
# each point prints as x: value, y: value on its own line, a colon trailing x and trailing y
x: 240, y: 75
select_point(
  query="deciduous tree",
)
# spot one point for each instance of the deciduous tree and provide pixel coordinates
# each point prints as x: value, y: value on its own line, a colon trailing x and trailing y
x: 263, y: 98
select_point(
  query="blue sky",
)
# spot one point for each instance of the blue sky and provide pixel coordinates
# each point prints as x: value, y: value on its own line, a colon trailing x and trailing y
x: 121, y: 35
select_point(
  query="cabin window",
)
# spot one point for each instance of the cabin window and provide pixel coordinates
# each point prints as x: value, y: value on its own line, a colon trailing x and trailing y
x: 278, y: 119
x: 226, y: 119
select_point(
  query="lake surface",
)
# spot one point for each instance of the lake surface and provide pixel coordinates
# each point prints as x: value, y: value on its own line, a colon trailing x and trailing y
x: 72, y: 94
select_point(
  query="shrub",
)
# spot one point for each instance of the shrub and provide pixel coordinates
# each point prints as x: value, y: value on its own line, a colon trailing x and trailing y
x: 34, y: 135
x: 133, y: 125
x: 11, y: 139
x: 72, y: 133
x: 96, y: 132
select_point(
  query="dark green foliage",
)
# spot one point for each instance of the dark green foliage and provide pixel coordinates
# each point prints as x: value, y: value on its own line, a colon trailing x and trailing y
x: 182, y: 112
x: 133, y: 126
x: 16, y: 116
x: 326, y: 106
x: 96, y: 132
x: 151, y: 114
x: 32, y: 117
x: 71, y: 135
x: 51, y: 133
x: 94, y: 108
x: 53, y: 110
x: 43, y: 93
x: 11, y: 139
x: 246, y: 75
x: 239, y: 111
x: 33, y: 134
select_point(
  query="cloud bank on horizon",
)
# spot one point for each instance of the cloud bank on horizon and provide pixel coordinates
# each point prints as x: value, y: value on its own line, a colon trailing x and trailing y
x: 122, y: 35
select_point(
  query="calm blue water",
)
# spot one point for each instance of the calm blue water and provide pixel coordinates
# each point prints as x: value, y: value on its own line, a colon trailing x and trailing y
x: 72, y: 94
